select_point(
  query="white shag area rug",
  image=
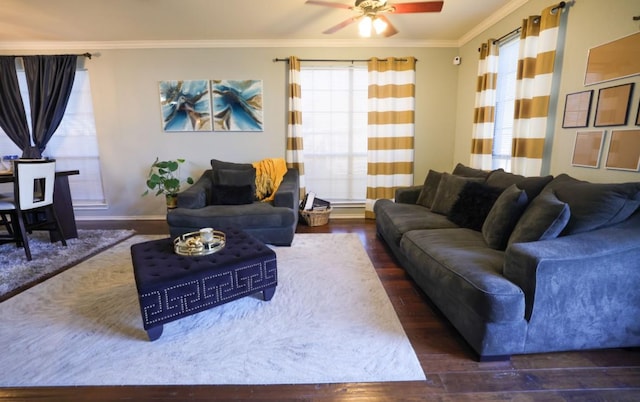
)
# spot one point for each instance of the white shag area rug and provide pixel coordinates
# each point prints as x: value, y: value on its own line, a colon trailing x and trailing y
x: 330, y: 321
x: 49, y: 258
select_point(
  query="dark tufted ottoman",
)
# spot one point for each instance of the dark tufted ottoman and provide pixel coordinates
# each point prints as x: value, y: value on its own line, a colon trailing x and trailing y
x: 171, y: 286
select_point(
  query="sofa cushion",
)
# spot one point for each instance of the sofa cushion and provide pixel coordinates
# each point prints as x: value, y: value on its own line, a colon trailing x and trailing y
x: 533, y: 185
x: 503, y: 217
x: 595, y: 205
x: 231, y: 195
x: 473, y: 205
x: 259, y: 215
x: 429, y: 189
x: 457, y: 267
x: 395, y: 219
x: 544, y: 219
x: 466, y: 171
x: 449, y: 188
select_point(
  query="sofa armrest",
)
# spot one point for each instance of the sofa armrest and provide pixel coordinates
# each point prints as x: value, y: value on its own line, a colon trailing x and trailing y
x: 408, y: 195
x: 197, y: 196
x: 288, y: 193
x: 598, y: 269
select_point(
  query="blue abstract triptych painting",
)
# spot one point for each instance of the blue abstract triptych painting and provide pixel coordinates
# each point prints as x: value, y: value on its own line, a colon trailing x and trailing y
x: 216, y: 105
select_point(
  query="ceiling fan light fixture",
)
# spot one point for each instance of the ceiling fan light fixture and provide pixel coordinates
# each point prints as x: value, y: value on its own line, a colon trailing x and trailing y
x: 379, y: 25
x: 364, y: 26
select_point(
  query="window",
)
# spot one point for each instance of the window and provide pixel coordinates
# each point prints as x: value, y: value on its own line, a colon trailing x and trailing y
x: 334, y: 126
x: 74, y: 144
x: 505, y: 104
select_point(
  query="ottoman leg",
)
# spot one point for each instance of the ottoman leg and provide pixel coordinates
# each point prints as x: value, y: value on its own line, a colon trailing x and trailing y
x: 154, y: 333
x: 268, y: 293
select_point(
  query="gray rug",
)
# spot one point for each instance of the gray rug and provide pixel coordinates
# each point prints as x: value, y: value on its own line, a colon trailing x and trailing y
x: 330, y: 321
x: 16, y: 273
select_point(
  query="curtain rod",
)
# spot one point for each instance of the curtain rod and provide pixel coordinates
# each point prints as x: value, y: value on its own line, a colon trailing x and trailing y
x: 87, y: 55
x: 334, y: 60
x: 560, y: 5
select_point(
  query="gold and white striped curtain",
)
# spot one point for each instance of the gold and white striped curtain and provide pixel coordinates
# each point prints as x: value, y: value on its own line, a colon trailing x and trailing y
x: 391, y: 128
x: 536, y: 58
x: 485, y: 107
x: 295, y: 149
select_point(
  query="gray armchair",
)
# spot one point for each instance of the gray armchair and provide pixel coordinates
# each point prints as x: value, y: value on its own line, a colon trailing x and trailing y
x: 273, y: 222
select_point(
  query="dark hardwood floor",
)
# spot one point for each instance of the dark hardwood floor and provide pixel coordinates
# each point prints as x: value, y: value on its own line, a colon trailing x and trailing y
x: 451, y: 368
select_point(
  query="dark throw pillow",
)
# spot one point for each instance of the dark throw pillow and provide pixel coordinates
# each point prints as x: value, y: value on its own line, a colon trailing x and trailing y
x: 473, y: 205
x: 429, y: 189
x: 231, y: 195
x: 231, y: 177
x: 544, y: 218
x: 503, y: 217
x: 449, y: 188
x: 467, y: 171
x: 533, y: 185
x: 218, y: 164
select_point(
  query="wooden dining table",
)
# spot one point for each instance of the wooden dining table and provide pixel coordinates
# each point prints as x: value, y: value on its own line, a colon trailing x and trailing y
x: 61, y: 202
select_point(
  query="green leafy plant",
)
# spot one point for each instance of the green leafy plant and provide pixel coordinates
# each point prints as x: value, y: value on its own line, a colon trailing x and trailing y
x: 164, y: 177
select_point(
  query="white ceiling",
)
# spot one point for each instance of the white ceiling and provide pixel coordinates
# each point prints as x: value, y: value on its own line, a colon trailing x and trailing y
x: 126, y: 21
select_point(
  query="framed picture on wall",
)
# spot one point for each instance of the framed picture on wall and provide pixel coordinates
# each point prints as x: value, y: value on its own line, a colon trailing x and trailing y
x: 185, y: 105
x: 237, y: 105
x: 613, y: 105
x: 624, y: 150
x: 638, y: 115
x: 613, y: 60
x: 576, y: 109
x: 588, y: 148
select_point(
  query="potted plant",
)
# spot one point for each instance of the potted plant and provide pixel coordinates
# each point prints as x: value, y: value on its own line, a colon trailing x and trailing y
x: 164, y: 179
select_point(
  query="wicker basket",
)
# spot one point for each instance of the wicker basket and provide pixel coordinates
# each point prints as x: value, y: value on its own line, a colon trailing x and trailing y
x: 316, y: 218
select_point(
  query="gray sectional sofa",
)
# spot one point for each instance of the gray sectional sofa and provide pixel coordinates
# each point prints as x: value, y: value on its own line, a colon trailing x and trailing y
x: 522, y: 265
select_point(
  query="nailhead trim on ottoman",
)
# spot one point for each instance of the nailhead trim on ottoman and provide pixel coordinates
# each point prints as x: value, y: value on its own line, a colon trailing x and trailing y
x: 171, y: 286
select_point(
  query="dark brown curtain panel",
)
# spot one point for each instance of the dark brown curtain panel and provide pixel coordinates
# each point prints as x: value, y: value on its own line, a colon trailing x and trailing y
x: 49, y: 79
x: 13, y: 119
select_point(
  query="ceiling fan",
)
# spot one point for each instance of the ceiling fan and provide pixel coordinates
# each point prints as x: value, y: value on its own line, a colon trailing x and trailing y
x: 372, y: 14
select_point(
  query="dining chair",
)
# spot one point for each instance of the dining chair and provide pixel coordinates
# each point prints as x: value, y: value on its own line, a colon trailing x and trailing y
x: 32, y: 205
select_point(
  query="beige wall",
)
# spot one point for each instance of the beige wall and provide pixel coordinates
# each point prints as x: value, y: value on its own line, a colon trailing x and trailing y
x: 125, y: 88
x: 588, y: 23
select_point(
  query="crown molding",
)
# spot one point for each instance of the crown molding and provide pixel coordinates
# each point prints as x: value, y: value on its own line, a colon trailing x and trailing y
x: 492, y: 20
x: 196, y: 44
x: 22, y: 46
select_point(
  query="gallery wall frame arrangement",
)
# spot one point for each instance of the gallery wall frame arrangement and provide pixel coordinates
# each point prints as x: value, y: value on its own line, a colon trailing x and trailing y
x: 211, y: 105
x: 613, y: 105
x: 577, y: 108
x: 587, y: 148
x: 624, y: 150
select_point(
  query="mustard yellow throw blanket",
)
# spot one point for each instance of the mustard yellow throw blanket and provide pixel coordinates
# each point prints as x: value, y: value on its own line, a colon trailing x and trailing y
x: 269, y: 175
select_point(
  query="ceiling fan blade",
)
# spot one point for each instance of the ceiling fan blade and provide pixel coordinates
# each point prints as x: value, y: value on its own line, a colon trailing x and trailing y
x: 328, y: 4
x: 420, y: 7
x: 341, y: 25
x: 391, y: 30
